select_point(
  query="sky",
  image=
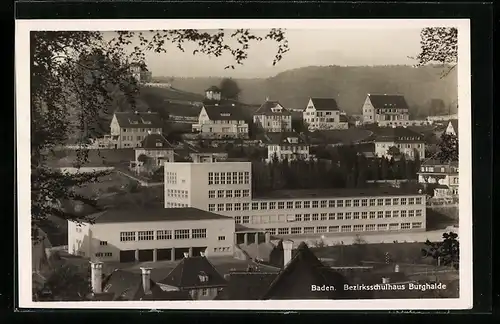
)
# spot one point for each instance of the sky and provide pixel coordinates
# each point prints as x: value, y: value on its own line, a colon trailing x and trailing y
x: 346, y: 47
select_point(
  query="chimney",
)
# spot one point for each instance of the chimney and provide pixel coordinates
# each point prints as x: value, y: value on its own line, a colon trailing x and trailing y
x: 96, y: 277
x: 186, y: 255
x: 202, y: 254
x: 396, y: 268
x: 146, y: 280
x: 385, y: 280
x: 287, y: 252
x: 267, y: 98
x: 268, y: 237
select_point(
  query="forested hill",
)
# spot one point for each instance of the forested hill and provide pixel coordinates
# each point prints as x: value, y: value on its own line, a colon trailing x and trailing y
x: 349, y: 85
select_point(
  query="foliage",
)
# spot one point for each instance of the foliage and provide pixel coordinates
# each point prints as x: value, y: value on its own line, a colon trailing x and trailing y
x: 393, y: 151
x: 439, y: 45
x: 143, y: 158
x: 229, y: 89
x: 445, y: 252
x: 77, y: 77
x: 448, y: 148
x: 67, y: 282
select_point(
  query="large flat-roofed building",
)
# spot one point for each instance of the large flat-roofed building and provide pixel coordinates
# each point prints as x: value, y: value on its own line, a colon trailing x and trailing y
x: 129, y: 235
x: 225, y: 188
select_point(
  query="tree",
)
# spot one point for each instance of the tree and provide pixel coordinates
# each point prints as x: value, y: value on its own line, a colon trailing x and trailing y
x: 448, y: 148
x: 67, y: 282
x: 74, y: 73
x: 229, y: 89
x: 393, y: 151
x: 446, y: 253
x: 439, y: 45
x: 142, y: 158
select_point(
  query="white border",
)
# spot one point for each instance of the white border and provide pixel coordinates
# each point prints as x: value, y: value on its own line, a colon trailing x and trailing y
x: 22, y: 79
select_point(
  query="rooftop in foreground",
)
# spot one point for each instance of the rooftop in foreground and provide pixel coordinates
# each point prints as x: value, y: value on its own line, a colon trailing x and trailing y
x: 153, y: 215
x: 333, y: 193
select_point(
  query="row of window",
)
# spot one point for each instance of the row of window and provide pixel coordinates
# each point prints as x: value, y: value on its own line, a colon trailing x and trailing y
x: 169, y: 204
x: 179, y: 234
x: 228, y: 193
x: 228, y: 178
x: 343, y: 228
x: 320, y: 113
x: 222, y: 249
x: 171, y: 177
x: 104, y: 254
x: 263, y: 219
x: 437, y: 169
x: 402, y: 146
x: 142, y: 130
x: 177, y: 193
x: 269, y: 205
x: 295, y: 148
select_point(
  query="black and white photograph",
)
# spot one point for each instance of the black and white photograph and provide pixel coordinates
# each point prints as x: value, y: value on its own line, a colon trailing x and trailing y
x: 202, y: 164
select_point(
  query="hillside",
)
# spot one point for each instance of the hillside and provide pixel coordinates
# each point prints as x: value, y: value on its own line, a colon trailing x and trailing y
x: 349, y: 85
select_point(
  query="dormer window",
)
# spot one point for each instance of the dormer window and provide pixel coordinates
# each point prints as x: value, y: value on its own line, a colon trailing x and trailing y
x: 159, y: 144
x: 134, y: 122
x: 146, y: 121
x: 225, y: 114
x: 203, y: 277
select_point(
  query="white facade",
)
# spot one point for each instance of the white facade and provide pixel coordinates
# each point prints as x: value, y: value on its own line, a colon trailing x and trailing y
x: 274, y: 119
x: 375, y: 115
x: 290, y: 151
x: 404, y: 123
x: 159, y: 156
x: 105, y: 241
x: 450, y: 129
x: 205, y: 186
x: 130, y: 137
x: 322, y: 119
x: 224, y: 128
x: 444, y: 176
x: 406, y: 148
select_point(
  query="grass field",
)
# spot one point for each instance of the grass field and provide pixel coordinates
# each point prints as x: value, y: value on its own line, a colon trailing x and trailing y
x: 101, y: 157
x: 438, y: 218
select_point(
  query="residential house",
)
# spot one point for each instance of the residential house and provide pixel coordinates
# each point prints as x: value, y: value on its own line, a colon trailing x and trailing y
x: 152, y: 153
x: 383, y: 107
x: 123, y: 285
x: 212, y: 94
x: 452, y: 127
x: 290, y: 146
x: 196, y: 275
x: 302, y: 272
x: 441, y: 177
x: 323, y: 114
x: 406, y: 142
x: 132, y: 127
x: 273, y: 117
x: 221, y: 121
x: 141, y: 74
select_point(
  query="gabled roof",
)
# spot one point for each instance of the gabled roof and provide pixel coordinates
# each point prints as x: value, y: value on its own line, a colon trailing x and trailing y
x: 189, y: 272
x: 325, y: 103
x: 266, y: 109
x: 305, y: 260
x: 155, y: 142
x: 125, y: 285
x: 139, y: 119
x: 397, y: 134
x: 282, y: 138
x: 247, y: 285
x: 130, y: 215
x: 388, y: 101
x: 224, y: 112
x: 213, y: 88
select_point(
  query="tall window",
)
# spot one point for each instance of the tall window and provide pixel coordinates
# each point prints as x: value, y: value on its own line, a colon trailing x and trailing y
x: 220, y: 193
x: 246, y: 193
x: 211, y: 207
x: 127, y: 236
x: 272, y: 205
x: 210, y: 178
x: 211, y: 194
x: 247, y: 177
x: 356, y: 202
x: 199, y: 233
x: 181, y: 234
x: 146, y: 235
x: 240, y: 177
x: 281, y: 205
x: 364, y: 202
x: 372, y: 202
x: 216, y: 179
x: 289, y: 205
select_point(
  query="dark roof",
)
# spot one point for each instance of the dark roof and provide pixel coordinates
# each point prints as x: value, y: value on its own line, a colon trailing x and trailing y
x: 186, y: 275
x: 139, y: 119
x: 117, y: 215
x: 224, y: 112
x: 247, y: 285
x: 388, y: 101
x: 325, y: 103
x: 281, y: 138
x: 397, y: 134
x: 125, y: 285
x: 213, y: 88
x: 266, y: 109
x: 305, y: 261
x: 151, y: 140
x: 432, y: 162
x: 336, y: 193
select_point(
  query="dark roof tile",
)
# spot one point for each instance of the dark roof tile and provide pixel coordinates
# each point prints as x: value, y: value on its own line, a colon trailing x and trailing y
x: 247, y: 285
x: 194, y: 272
x: 325, y: 103
x: 117, y: 215
x: 224, y: 112
x: 267, y: 109
x: 380, y: 101
x: 155, y: 142
x: 139, y: 119
x: 397, y: 134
